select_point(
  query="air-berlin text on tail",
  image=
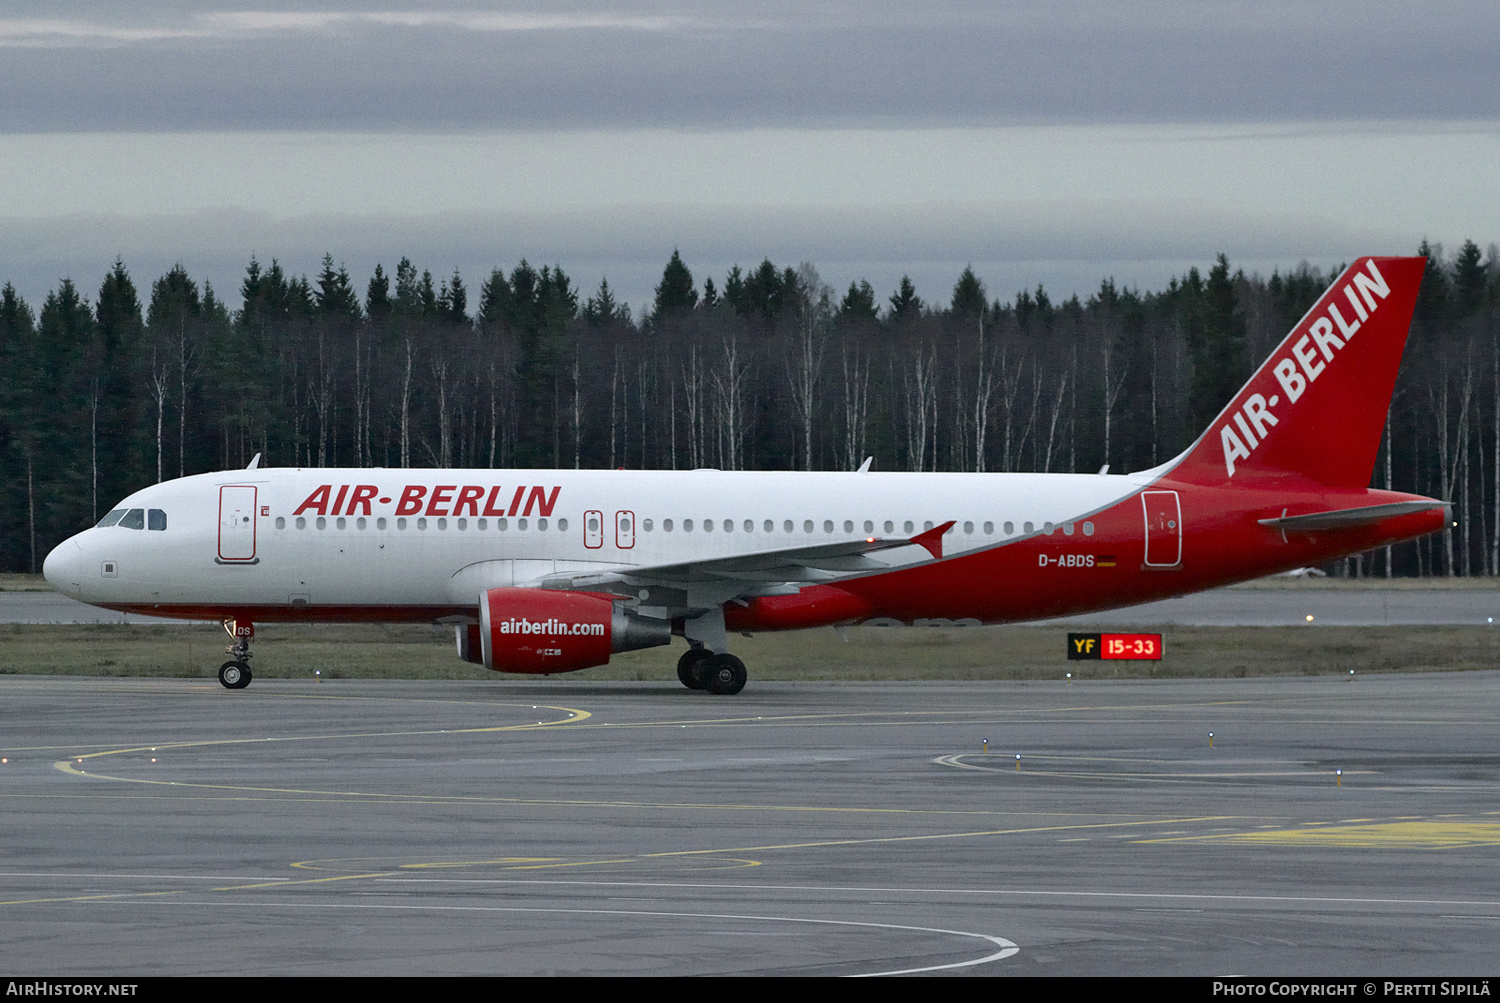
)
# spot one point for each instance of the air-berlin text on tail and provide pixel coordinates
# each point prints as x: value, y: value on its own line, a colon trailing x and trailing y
x: 439, y: 499
x: 1248, y: 425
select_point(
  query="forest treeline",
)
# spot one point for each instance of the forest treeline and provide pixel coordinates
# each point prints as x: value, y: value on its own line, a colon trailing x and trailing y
x: 103, y: 393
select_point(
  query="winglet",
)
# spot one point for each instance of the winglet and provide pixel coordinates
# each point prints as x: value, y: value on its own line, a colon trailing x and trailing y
x: 254, y: 462
x: 932, y: 539
x: 864, y: 468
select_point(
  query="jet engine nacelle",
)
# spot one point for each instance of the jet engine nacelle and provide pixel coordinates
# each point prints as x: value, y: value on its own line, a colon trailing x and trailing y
x: 541, y: 630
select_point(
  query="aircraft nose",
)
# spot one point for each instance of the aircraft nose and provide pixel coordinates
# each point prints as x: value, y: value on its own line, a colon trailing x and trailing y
x: 63, y: 568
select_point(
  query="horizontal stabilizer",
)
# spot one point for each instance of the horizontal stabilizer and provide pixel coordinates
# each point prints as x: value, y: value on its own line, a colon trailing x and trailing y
x: 1346, y: 518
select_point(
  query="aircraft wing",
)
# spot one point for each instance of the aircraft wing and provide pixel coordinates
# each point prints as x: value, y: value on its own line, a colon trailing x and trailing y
x: 716, y: 580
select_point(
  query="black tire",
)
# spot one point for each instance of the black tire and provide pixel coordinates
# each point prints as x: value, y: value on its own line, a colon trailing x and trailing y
x: 234, y: 675
x: 691, y: 667
x: 726, y: 675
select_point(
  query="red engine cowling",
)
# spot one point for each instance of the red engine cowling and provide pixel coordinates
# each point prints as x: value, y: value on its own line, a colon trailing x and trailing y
x: 544, y: 631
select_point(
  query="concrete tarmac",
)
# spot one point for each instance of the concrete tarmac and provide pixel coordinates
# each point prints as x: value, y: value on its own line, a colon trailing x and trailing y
x: 171, y: 827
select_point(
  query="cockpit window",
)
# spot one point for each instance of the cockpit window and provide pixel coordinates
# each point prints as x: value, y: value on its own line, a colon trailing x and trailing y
x: 110, y: 519
x: 156, y: 519
x: 134, y: 519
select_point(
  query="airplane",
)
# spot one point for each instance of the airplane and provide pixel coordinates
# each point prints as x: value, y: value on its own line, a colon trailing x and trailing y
x: 546, y: 571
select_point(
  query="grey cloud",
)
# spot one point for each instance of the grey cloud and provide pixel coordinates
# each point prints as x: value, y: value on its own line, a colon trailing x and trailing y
x: 439, y: 66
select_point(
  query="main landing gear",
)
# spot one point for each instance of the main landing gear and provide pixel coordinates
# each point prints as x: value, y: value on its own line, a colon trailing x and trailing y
x: 235, y: 675
x: 720, y: 674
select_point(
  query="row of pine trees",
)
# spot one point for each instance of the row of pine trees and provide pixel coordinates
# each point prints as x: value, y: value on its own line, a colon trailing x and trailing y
x: 768, y: 368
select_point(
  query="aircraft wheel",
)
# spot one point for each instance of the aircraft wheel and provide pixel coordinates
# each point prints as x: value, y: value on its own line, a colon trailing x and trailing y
x: 726, y: 675
x: 234, y: 675
x: 692, y: 666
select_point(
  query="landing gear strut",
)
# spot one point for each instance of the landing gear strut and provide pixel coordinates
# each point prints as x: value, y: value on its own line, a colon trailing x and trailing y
x: 235, y: 675
x: 707, y: 665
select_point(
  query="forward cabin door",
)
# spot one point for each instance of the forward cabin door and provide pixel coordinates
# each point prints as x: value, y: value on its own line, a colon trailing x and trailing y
x: 1163, y: 528
x: 237, y: 524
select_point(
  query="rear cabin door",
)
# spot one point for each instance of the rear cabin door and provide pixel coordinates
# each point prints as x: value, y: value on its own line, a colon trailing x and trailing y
x: 1163, y: 528
x: 237, y: 523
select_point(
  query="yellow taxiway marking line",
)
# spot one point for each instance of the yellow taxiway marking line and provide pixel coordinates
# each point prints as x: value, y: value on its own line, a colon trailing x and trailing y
x: 66, y: 765
x: 507, y: 861
x: 812, y: 844
x: 89, y: 898
x: 945, y: 835
x: 920, y: 717
x: 1380, y: 835
x: 301, y: 881
x: 225, y: 888
x: 574, y: 717
x: 316, y: 796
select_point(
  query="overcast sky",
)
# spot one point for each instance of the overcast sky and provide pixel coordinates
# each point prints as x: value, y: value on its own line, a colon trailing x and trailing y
x: 1052, y: 143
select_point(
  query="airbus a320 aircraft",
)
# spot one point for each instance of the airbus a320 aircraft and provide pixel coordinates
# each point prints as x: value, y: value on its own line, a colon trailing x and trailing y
x: 544, y: 571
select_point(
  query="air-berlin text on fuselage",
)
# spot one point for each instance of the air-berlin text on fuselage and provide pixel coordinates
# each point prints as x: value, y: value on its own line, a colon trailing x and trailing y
x: 1254, y: 418
x: 439, y: 499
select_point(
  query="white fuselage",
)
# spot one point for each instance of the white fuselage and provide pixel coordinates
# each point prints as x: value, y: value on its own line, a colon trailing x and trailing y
x: 267, y: 538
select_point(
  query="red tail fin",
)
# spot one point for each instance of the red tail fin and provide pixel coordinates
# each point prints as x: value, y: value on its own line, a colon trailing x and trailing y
x: 1317, y: 406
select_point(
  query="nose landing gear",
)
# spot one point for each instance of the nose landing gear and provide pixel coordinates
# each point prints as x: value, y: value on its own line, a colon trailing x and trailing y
x: 235, y: 675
